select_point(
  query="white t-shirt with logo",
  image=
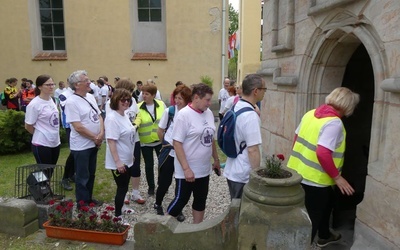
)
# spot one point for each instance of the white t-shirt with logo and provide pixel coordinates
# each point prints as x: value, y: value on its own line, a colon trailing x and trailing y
x: 44, y: 117
x: 247, y: 128
x: 196, y: 131
x: 223, y: 95
x: 79, y: 110
x: 120, y: 129
x: 131, y: 112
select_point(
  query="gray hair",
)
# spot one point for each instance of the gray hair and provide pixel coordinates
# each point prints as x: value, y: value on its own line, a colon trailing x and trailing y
x: 75, y: 77
x: 250, y: 82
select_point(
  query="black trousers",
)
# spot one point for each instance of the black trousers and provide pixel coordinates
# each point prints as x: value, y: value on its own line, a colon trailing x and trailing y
x: 165, y: 175
x: 319, y: 203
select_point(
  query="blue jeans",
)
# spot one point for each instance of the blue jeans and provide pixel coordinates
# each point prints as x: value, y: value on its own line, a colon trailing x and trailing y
x: 85, y: 169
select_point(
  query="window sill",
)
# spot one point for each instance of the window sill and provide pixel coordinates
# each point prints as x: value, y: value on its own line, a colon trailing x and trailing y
x: 51, y: 56
x: 149, y: 56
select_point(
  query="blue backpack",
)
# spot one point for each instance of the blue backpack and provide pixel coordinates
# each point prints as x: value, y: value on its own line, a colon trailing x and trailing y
x: 226, y: 133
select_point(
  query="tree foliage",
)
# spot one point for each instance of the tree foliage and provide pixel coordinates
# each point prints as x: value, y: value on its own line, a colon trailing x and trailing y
x: 233, y: 20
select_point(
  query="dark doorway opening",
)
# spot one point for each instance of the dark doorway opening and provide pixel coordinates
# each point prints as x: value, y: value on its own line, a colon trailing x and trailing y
x: 359, y: 78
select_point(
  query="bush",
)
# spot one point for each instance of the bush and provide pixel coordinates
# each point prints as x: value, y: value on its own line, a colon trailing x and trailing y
x: 14, y: 137
x: 207, y: 80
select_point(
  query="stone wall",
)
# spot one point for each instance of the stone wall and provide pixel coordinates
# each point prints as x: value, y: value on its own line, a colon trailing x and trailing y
x: 300, y: 74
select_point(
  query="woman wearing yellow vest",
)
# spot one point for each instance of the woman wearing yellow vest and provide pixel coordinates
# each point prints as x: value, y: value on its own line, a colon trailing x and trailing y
x: 318, y: 154
x: 150, y: 112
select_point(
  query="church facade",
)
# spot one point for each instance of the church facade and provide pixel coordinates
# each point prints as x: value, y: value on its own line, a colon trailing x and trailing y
x: 311, y: 47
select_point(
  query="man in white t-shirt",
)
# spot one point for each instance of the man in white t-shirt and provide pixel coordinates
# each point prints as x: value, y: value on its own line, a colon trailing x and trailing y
x: 247, y: 130
x: 61, y: 88
x: 87, y: 132
x: 223, y: 95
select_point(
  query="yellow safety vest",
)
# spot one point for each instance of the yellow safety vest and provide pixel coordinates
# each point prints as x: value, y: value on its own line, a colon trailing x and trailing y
x: 304, y: 157
x: 147, y: 125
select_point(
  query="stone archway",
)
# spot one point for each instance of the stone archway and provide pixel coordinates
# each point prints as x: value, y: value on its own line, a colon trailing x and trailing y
x: 328, y: 65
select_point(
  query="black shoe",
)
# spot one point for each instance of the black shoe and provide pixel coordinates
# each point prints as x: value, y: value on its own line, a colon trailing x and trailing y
x: 96, y: 203
x: 151, y: 191
x: 65, y: 184
x: 180, y: 217
x: 334, y: 237
x: 159, y: 209
x: 72, y: 179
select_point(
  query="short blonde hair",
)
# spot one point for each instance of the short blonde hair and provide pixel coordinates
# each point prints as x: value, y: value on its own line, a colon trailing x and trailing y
x: 343, y: 99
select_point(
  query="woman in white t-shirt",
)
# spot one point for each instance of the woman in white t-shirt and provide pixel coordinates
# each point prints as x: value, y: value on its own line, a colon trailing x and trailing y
x: 42, y: 121
x: 134, y: 171
x: 182, y: 96
x: 120, y: 135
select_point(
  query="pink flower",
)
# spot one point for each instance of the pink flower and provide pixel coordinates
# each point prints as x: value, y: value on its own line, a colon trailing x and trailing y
x: 280, y: 157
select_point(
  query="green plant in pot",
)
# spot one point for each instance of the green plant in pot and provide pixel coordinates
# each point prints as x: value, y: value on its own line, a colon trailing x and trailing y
x: 273, y: 168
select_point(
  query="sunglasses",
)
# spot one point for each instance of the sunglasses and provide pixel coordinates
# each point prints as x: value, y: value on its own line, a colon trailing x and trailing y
x: 125, y: 100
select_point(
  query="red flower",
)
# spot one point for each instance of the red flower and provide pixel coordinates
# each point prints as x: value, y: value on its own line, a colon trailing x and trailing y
x: 109, y: 208
x: 81, y: 203
x: 280, y: 157
x: 51, y: 202
x: 92, y: 204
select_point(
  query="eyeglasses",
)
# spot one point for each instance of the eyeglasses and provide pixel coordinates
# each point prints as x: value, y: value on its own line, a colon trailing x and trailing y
x: 49, y: 84
x: 262, y: 88
x: 125, y: 100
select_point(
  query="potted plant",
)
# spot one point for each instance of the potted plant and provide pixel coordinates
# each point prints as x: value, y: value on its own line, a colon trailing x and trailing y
x: 272, y: 209
x: 87, y: 225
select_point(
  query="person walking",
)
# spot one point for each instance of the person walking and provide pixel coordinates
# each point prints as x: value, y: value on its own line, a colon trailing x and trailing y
x: 248, y: 132
x: 87, y: 132
x: 150, y: 112
x: 318, y: 154
x: 134, y: 171
x: 182, y: 96
x: 194, y: 145
x: 223, y: 96
x: 120, y: 136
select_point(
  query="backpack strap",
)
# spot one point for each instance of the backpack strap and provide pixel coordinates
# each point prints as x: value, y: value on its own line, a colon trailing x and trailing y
x: 171, y: 114
x: 242, y: 145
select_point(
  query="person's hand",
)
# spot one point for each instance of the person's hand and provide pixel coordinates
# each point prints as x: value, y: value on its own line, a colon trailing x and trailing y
x: 121, y: 167
x: 344, y: 186
x: 217, y: 167
x: 189, y: 175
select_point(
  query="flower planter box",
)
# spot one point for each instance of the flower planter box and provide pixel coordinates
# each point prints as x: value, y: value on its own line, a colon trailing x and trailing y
x: 85, y: 235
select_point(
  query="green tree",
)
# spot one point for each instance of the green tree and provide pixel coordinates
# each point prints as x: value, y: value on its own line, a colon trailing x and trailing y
x: 233, y: 27
x: 233, y: 20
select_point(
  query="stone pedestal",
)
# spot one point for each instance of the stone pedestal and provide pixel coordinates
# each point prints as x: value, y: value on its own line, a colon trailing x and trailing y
x: 272, y: 214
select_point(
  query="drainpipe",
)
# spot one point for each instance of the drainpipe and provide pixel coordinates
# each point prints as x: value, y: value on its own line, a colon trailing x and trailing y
x: 223, y: 54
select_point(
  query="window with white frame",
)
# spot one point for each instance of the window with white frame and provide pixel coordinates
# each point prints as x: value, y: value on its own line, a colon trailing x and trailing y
x: 52, y: 25
x: 149, y: 11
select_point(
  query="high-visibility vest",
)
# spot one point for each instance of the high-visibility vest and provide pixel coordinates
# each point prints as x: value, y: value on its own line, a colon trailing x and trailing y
x: 148, y: 127
x: 304, y: 157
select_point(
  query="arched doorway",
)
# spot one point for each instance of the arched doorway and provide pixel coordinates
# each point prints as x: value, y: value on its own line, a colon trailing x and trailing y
x: 359, y: 78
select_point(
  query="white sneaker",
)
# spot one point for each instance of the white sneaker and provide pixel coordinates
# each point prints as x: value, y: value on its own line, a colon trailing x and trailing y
x: 123, y: 221
x: 127, y: 210
x: 136, y: 197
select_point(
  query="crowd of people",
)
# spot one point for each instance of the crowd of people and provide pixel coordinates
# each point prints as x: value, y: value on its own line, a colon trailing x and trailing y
x: 135, y: 123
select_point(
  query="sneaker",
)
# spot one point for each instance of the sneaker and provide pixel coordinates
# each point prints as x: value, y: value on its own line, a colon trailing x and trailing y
x: 97, y: 203
x: 123, y: 221
x: 65, y: 184
x: 180, y: 217
x: 159, y: 209
x: 136, y: 197
x: 72, y: 178
x: 126, y: 200
x: 334, y: 237
x: 151, y: 191
x: 127, y: 210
